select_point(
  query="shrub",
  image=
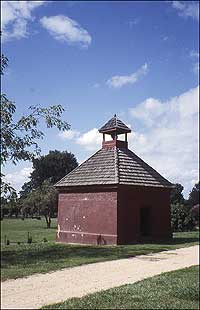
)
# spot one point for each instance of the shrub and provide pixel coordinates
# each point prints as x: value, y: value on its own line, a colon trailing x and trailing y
x: 181, y: 217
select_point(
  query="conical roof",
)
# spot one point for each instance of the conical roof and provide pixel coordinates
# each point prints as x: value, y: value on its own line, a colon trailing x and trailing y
x: 114, y: 124
x: 114, y: 166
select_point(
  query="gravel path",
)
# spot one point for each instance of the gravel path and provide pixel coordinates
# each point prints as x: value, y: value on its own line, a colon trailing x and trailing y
x: 43, y: 289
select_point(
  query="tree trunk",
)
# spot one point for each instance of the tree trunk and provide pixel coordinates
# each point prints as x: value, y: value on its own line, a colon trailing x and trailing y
x: 48, y: 221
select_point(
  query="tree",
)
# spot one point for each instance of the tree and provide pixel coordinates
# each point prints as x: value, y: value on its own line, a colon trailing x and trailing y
x: 13, y: 205
x: 4, y: 63
x: 4, y: 207
x: 194, y: 195
x: 195, y: 214
x: 19, y: 137
x: 30, y: 204
x: 42, y: 201
x: 181, y: 217
x: 49, y: 202
x: 26, y: 189
x: 38, y: 195
x: 10, y: 205
x: 176, y: 194
x: 52, y: 167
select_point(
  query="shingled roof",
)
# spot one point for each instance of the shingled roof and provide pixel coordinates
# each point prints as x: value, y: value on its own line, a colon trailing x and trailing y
x: 114, y: 166
x: 114, y: 124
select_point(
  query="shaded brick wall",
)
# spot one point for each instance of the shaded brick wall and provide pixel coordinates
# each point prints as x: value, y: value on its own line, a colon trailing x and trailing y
x: 87, y: 218
x: 131, y: 200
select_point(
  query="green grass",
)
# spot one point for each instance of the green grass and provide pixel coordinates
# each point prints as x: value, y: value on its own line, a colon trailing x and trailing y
x: 16, y: 230
x: 20, y: 260
x: 173, y: 290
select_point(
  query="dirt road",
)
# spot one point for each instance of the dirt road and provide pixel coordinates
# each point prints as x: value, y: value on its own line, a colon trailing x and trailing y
x: 43, y: 289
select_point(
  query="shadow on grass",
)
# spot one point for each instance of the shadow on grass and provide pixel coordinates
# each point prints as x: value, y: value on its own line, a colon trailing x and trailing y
x: 59, y: 252
x: 41, y: 253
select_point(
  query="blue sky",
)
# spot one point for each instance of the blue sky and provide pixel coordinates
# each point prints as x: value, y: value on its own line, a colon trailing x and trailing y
x: 136, y: 59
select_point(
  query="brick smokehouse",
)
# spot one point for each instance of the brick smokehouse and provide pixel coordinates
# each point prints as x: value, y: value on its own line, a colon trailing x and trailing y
x: 113, y: 197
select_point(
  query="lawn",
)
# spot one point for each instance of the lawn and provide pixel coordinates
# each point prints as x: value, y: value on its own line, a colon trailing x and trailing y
x: 173, y: 290
x: 20, y: 260
x: 16, y: 230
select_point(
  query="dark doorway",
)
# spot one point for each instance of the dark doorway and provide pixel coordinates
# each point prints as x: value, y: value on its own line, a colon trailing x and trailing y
x: 145, y: 222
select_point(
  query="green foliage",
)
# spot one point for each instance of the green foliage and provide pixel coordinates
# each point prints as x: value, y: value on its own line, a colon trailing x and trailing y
x: 4, y: 209
x: 176, y: 194
x: 10, y: 205
x: 194, y: 195
x: 4, y: 63
x: 172, y: 290
x: 181, y: 217
x: 13, y: 205
x: 19, y: 137
x: 195, y: 214
x: 42, y: 201
x: 51, y: 167
x: 26, y: 189
x: 38, y: 196
x: 6, y: 189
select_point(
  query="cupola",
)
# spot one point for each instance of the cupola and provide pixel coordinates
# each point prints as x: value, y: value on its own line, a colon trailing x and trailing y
x: 115, y: 127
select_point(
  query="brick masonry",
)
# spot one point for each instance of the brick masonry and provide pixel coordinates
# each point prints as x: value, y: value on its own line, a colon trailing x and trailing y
x: 112, y: 217
x: 89, y: 218
x: 130, y: 202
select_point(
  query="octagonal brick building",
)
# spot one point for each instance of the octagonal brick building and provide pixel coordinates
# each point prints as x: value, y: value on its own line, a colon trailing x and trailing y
x: 114, y: 197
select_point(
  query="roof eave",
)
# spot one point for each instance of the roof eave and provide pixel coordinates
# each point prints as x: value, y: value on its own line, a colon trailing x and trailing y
x: 66, y: 188
x: 119, y: 130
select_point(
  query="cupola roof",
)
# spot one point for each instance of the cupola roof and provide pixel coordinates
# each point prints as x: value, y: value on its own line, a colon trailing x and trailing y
x: 114, y: 125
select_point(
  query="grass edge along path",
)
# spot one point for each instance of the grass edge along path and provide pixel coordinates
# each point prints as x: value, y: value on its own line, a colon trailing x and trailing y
x: 171, y: 290
x: 26, y: 259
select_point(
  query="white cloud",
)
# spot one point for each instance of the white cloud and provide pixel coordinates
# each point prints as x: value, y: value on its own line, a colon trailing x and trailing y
x: 148, y: 110
x: 187, y: 9
x: 15, y: 16
x: 65, y: 29
x: 169, y: 140
x: 69, y: 134
x: 120, y: 80
x: 18, y: 177
x: 91, y: 140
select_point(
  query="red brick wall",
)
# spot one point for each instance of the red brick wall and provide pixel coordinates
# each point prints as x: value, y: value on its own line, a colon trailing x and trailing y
x: 130, y: 200
x: 111, y: 217
x: 87, y: 218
